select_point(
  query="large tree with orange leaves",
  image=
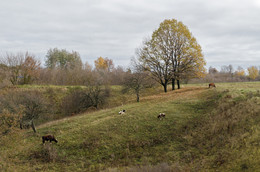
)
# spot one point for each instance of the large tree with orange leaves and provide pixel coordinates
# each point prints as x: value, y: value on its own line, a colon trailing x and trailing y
x: 172, y: 52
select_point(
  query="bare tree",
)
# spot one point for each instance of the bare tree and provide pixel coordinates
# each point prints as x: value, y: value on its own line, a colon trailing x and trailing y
x: 227, y: 69
x: 137, y: 80
x: 212, y: 70
x: 14, y: 66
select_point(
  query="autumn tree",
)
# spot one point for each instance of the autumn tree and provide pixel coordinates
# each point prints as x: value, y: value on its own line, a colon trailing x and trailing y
x: 30, y: 69
x: 62, y: 59
x: 31, y: 104
x: 181, y: 46
x: 172, y: 54
x: 21, y: 68
x: 240, y: 72
x: 103, y: 70
x: 9, y: 121
x: 104, y: 64
x: 156, y: 62
x: 252, y: 72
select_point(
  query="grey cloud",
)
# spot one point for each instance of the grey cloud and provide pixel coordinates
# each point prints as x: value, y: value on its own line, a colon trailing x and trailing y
x: 228, y: 30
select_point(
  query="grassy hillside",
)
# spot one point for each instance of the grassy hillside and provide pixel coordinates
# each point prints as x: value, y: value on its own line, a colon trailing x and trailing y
x: 204, y: 130
x: 63, y: 99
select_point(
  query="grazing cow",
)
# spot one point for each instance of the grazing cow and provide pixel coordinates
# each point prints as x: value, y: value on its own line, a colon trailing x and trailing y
x: 161, y: 115
x: 121, y: 112
x: 48, y: 138
x: 212, y: 85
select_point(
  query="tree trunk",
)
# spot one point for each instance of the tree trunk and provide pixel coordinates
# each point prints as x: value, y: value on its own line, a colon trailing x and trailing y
x: 173, y: 84
x: 33, y: 126
x: 165, y: 87
x: 137, y: 97
x: 21, y: 125
x: 178, y: 83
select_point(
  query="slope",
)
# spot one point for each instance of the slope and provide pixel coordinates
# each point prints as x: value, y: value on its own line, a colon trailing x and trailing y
x: 105, y: 140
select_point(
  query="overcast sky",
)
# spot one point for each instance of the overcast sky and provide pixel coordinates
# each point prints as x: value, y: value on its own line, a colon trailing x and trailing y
x: 227, y: 30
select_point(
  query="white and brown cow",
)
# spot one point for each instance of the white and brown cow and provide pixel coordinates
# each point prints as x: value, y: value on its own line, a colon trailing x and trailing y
x: 161, y: 115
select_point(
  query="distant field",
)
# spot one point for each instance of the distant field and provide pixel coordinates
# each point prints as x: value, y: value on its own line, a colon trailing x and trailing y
x: 232, y: 85
x: 204, y: 130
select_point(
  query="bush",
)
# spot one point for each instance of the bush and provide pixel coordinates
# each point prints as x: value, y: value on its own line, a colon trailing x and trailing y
x: 48, y: 153
x: 72, y: 103
x: 9, y: 122
x: 79, y: 100
x: 31, y: 104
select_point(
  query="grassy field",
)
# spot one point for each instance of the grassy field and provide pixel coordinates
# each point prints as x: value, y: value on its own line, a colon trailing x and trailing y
x: 204, y: 130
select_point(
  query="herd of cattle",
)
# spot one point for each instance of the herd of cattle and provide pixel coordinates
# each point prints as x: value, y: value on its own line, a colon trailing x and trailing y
x: 51, y: 138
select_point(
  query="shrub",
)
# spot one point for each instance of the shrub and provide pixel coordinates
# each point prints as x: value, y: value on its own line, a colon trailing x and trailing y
x: 48, y: 153
x: 30, y: 104
x: 9, y: 122
x: 79, y: 100
x: 72, y: 103
x: 223, y: 130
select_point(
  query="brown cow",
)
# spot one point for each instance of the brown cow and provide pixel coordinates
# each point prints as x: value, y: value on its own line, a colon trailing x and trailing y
x: 48, y: 138
x: 212, y: 85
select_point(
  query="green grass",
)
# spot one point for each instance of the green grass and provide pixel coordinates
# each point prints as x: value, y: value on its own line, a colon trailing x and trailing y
x: 201, y: 132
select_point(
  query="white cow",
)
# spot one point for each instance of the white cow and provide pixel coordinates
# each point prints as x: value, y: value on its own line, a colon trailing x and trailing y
x: 121, y: 112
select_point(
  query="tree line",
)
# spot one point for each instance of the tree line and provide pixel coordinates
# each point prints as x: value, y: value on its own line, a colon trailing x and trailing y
x: 227, y: 73
x: 171, y: 55
x: 61, y: 67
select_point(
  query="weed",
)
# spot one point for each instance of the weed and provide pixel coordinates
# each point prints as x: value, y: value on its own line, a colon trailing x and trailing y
x: 47, y: 153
